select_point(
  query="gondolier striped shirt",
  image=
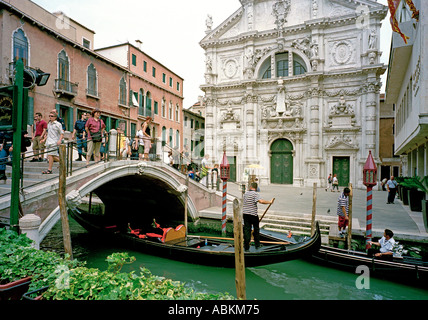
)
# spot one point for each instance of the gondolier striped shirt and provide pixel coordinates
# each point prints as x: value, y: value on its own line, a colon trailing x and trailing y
x: 343, y: 201
x: 250, y: 203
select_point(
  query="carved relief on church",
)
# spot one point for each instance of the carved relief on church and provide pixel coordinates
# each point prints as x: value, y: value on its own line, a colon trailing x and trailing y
x: 341, y: 141
x: 342, y: 52
x: 341, y: 114
x: 229, y: 117
x: 230, y: 66
x: 280, y: 11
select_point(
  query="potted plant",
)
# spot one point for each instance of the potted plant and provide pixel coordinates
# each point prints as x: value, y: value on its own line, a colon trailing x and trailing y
x: 415, y: 192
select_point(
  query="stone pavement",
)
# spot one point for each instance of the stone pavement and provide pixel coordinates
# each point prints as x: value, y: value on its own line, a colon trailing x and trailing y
x: 298, y: 200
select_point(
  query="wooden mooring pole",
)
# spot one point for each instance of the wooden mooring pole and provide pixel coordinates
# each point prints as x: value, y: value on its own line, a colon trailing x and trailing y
x: 350, y: 217
x: 62, y: 202
x: 239, y: 251
x: 314, y: 209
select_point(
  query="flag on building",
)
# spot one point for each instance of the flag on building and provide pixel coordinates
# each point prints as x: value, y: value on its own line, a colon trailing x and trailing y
x: 393, y: 6
x: 412, y: 7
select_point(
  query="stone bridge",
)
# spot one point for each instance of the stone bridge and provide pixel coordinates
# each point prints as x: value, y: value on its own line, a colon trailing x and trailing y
x: 149, y: 190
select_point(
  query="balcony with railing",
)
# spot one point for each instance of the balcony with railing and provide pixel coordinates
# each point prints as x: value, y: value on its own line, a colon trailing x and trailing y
x: 65, y: 88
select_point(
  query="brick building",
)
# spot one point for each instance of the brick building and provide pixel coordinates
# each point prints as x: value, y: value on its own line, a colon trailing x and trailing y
x: 83, y: 79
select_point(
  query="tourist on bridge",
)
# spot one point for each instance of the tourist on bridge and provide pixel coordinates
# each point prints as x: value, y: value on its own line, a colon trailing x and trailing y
x: 52, y: 140
x: 95, y: 129
x: 147, y: 138
x: 79, y: 133
x: 40, y: 127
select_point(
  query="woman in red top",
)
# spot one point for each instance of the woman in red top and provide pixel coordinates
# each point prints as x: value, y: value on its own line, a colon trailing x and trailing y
x: 95, y: 129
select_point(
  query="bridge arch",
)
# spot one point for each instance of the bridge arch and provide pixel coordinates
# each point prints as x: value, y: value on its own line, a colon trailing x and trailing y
x: 136, y: 193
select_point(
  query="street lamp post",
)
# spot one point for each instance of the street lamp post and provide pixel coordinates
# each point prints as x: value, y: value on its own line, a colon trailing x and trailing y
x: 369, y: 180
x: 224, y: 176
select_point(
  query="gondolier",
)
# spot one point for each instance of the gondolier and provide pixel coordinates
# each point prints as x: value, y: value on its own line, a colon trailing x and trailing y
x: 250, y: 214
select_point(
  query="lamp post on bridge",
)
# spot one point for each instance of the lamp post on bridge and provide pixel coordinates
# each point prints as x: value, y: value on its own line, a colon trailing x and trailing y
x: 369, y: 180
x: 224, y: 176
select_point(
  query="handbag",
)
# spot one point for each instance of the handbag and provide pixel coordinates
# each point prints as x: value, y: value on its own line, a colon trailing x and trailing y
x: 97, y: 136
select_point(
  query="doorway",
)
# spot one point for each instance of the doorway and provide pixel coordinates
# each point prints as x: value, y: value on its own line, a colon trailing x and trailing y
x: 282, y: 162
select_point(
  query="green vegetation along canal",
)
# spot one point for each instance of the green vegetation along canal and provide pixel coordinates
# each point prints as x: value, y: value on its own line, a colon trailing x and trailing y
x: 292, y: 280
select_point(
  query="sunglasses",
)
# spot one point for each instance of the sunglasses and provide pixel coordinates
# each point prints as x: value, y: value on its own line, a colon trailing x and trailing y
x: 52, y: 116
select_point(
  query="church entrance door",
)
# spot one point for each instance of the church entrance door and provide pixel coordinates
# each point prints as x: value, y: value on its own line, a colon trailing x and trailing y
x: 282, y: 162
x: 341, y: 167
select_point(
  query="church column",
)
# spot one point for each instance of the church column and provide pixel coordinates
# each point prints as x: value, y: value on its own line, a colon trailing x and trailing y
x: 210, y: 127
x: 371, y: 116
x: 250, y: 126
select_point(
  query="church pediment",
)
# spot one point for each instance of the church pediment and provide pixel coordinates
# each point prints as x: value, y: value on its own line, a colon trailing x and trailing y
x: 266, y: 15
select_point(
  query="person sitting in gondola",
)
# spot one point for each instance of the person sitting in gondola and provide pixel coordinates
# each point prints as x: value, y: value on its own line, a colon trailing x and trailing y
x: 386, y: 244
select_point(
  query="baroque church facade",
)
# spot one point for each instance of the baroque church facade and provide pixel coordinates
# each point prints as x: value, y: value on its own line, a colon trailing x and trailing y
x: 293, y: 86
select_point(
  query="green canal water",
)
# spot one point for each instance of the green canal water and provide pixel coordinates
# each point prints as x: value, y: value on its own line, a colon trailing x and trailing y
x: 292, y: 280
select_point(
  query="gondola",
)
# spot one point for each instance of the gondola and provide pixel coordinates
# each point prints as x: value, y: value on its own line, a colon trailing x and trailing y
x: 403, y: 269
x: 174, y: 244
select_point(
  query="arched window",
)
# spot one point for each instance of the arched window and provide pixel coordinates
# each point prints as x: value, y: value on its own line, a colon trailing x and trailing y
x: 141, y: 102
x: 63, y: 71
x: 282, y: 66
x: 177, y: 139
x: 122, y: 91
x: 20, y: 47
x: 163, y: 136
x: 148, y: 104
x: 163, y: 108
x: 92, y: 80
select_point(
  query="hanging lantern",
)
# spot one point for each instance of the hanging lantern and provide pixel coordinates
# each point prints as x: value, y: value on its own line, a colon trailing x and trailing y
x: 370, y: 172
x: 224, y: 168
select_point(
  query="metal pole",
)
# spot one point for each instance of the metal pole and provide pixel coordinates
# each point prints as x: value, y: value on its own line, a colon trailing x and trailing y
x: 314, y: 208
x: 224, y: 208
x: 350, y: 217
x: 17, y: 141
x: 369, y: 216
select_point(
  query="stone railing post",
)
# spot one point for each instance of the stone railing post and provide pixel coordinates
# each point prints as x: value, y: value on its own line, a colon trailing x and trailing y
x: 112, y: 145
x: 29, y: 225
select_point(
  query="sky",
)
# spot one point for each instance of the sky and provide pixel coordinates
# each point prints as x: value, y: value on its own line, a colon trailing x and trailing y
x: 169, y: 29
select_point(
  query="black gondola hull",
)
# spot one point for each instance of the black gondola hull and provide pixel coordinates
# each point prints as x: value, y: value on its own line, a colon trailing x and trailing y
x: 217, y: 253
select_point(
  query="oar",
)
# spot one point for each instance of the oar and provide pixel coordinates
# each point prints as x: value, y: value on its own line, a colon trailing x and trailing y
x: 231, y: 239
x: 273, y: 200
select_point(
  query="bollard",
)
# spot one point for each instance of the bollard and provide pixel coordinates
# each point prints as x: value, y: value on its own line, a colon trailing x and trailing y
x: 29, y: 225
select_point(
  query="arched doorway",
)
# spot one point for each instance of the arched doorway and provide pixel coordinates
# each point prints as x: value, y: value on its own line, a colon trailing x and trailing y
x: 281, y: 162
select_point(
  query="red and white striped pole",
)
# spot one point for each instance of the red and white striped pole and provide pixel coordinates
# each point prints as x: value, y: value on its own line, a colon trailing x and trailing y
x: 369, y: 216
x: 369, y: 180
x: 224, y: 175
x: 224, y: 208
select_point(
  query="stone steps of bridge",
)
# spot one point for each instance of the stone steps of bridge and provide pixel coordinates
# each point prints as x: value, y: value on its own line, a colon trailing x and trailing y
x: 33, y: 174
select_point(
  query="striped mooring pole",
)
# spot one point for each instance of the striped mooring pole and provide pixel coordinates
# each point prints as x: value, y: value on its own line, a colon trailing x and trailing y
x: 224, y: 207
x: 369, y: 216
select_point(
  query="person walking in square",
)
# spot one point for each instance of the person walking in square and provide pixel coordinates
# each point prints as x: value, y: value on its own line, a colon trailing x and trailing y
x: 335, y: 183
x: 391, y: 187
x: 251, y: 217
x: 329, y: 182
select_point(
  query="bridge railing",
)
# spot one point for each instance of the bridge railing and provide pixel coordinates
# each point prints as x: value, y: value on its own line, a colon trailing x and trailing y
x: 116, y: 147
x: 188, y: 165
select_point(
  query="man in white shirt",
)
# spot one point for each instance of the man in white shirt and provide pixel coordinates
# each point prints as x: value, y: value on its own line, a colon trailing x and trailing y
x: 386, y: 244
x: 53, y: 140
